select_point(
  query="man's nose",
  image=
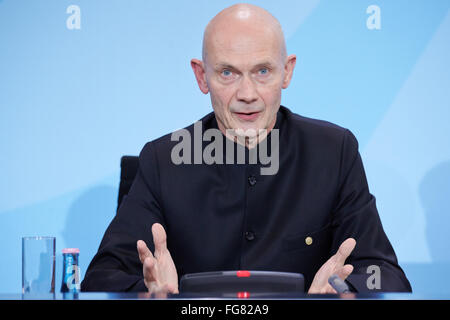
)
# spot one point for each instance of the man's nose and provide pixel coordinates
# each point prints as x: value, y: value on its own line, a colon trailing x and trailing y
x: 246, y: 91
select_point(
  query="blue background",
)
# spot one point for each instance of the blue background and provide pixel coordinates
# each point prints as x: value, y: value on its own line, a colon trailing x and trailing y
x: 72, y: 102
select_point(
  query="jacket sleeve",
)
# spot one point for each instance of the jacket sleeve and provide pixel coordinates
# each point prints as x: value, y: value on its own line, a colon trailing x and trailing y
x: 116, y: 266
x: 355, y: 215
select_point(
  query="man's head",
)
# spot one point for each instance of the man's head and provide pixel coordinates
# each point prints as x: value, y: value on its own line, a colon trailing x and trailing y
x: 244, y: 67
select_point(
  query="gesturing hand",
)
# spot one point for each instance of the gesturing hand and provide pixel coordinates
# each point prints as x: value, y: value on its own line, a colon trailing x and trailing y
x: 160, y: 274
x: 334, y: 265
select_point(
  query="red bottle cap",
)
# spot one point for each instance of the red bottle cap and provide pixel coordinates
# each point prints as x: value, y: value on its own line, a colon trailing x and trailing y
x: 70, y: 250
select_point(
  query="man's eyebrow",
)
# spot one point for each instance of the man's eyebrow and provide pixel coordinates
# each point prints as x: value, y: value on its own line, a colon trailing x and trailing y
x: 266, y: 64
x: 224, y: 65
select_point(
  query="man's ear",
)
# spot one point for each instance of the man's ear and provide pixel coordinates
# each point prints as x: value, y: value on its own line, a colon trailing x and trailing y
x: 289, y: 70
x: 200, y: 75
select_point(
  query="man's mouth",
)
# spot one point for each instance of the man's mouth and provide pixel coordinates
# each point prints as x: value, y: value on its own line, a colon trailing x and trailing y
x: 248, y: 116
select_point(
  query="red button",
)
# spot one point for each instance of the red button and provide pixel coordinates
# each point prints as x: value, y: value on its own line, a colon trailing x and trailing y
x: 243, y: 273
x: 243, y: 295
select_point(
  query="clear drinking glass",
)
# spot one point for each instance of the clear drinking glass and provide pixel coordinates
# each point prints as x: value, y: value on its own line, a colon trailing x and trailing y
x: 38, y: 265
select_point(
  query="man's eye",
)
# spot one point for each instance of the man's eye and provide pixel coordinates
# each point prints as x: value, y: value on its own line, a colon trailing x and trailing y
x: 263, y: 71
x: 226, y: 73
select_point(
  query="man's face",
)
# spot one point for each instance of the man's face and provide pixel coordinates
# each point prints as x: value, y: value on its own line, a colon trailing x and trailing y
x: 244, y: 74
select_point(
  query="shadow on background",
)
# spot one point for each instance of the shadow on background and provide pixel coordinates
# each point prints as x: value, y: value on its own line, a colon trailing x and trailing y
x: 396, y: 216
x: 87, y: 219
x: 434, y: 192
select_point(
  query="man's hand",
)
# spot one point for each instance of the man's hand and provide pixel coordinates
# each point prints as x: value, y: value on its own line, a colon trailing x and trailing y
x: 334, y: 265
x: 160, y: 274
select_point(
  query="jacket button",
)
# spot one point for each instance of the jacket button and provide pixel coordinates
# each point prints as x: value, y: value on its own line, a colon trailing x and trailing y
x: 252, y: 180
x: 249, y: 236
x: 308, y: 241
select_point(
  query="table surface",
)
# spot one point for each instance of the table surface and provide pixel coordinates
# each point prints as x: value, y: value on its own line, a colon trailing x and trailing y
x: 185, y: 296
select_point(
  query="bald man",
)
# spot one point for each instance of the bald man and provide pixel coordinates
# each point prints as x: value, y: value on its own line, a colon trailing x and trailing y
x: 311, y: 214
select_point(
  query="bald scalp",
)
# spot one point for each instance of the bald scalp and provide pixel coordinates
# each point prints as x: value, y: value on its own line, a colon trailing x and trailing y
x: 243, y: 19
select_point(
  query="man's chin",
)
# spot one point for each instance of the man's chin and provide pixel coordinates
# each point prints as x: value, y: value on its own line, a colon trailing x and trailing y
x: 247, y: 131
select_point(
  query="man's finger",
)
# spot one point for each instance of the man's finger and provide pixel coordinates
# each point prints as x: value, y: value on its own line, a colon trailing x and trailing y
x: 147, y: 260
x: 143, y: 251
x: 150, y: 269
x: 344, y: 251
x: 159, y: 239
x: 345, y: 271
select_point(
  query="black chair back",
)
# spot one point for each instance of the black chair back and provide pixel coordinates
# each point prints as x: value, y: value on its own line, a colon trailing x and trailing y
x: 128, y: 169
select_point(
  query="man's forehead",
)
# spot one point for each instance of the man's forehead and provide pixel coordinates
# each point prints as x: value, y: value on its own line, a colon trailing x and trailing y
x: 241, y: 50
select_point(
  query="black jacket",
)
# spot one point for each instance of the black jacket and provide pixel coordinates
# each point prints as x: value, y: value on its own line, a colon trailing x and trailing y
x: 230, y: 217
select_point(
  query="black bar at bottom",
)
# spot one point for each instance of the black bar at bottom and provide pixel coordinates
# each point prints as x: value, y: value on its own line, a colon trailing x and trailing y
x: 223, y: 309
